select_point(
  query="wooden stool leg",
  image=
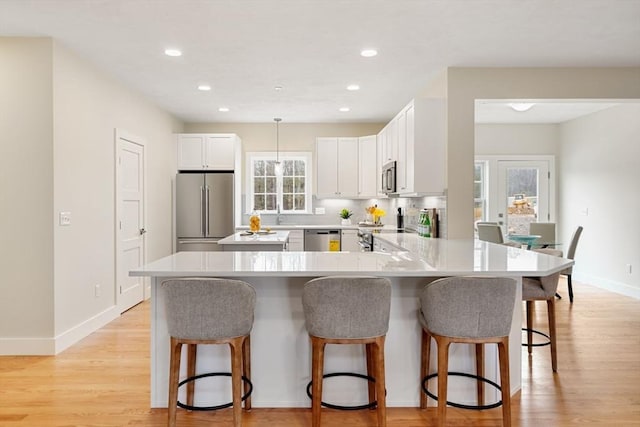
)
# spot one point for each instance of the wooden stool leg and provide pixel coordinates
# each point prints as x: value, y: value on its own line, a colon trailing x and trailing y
x: 530, y: 326
x: 378, y: 354
x: 480, y: 372
x: 443, y: 368
x: 371, y: 372
x: 551, y: 313
x: 424, y: 365
x: 246, y: 369
x: 503, y: 354
x: 317, y: 367
x: 192, y: 353
x: 236, y: 379
x: 174, y: 372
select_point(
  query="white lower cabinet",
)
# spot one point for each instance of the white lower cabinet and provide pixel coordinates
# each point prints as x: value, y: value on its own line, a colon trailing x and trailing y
x: 349, y: 241
x: 296, y: 241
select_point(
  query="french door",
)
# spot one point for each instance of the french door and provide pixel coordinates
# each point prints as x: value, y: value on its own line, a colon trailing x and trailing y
x: 523, y: 194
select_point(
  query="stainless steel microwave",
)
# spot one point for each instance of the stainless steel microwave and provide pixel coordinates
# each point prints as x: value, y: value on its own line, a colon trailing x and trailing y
x: 388, y: 178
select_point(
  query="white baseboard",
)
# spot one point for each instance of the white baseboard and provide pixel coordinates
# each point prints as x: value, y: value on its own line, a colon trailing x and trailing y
x: 78, y: 332
x: 609, y: 285
x: 54, y: 345
x: 27, y: 346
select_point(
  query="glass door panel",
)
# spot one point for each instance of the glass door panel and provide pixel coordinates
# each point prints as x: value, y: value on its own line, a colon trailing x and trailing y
x: 523, y: 194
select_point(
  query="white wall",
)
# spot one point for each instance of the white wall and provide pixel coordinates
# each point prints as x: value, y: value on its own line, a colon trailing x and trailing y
x: 26, y: 190
x: 58, y: 155
x: 516, y: 139
x: 599, y: 166
x: 88, y: 106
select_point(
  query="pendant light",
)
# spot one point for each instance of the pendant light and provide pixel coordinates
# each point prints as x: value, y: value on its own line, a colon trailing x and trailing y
x: 278, y: 166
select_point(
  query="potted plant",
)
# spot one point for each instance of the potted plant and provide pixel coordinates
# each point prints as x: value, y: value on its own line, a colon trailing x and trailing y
x: 346, y: 214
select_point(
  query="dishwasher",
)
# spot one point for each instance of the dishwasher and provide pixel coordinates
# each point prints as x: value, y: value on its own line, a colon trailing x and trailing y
x: 322, y: 240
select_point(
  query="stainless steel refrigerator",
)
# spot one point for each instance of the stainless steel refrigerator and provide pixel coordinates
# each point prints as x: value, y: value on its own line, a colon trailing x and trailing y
x: 204, y: 210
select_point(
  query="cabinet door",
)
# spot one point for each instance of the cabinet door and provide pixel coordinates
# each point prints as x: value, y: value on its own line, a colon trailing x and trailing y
x: 391, y: 146
x: 410, y: 153
x: 347, y: 167
x: 219, y: 152
x: 367, y: 167
x: 190, y: 152
x: 401, y: 163
x: 326, y: 167
x: 349, y: 241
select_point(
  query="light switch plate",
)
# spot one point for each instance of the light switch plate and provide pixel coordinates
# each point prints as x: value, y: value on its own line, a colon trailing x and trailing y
x: 65, y: 218
x: 319, y: 211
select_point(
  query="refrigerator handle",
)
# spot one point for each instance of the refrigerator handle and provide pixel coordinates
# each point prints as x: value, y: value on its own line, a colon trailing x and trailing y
x: 202, y: 211
x: 206, y: 229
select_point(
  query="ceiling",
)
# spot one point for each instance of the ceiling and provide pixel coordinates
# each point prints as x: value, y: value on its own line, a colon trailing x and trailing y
x: 310, y: 48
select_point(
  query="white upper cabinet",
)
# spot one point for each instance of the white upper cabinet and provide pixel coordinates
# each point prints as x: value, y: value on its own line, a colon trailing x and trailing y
x: 388, y: 142
x: 207, y: 151
x: 367, y: 167
x: 420, y: 167
x: 337, y: 167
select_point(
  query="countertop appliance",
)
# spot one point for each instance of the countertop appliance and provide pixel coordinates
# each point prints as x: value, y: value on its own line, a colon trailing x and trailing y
x: 321, y: 240
x: 204, y: 210
x: 388, y: 178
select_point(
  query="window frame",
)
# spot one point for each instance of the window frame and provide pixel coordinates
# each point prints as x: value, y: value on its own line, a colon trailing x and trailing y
x: 305, y: 156
x: 484, y: 188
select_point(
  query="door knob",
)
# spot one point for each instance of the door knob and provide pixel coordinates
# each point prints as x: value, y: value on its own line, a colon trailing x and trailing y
x: 142, y: 231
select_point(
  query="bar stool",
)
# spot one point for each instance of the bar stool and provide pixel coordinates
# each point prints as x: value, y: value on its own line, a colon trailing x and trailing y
x: 348, y: 310
x: 209, y: 311
x: 470, y: 310
x: 542, y: 289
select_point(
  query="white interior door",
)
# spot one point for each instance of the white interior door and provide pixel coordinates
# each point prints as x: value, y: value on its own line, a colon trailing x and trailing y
x: 523, y: 194
x: 130, y: 231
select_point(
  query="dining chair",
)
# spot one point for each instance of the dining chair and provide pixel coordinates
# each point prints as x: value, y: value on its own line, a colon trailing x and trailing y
x: 571, y: 253
x: 490, y: 232
x: 546, y: 231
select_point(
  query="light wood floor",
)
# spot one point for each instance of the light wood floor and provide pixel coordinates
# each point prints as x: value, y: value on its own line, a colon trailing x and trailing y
x: 104, y: 379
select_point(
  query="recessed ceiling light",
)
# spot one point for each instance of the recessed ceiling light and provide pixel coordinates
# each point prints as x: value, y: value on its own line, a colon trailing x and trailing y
x: 345, y: 109
x: 172, y: 52
x: 278, y: 88
x: 368, y: 53
x: 521, y: 106
x: 223, y: 109
x: 204, y: 87
x: 353, y: 87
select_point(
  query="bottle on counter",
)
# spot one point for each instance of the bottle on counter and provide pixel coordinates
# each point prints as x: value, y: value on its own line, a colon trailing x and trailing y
x: 254, y: 222
x: 424, y: 227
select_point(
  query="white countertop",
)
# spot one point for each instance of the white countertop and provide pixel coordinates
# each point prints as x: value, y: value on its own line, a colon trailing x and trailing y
x: 354, y: 226
x: 272, y: 237
x: 424, y: 257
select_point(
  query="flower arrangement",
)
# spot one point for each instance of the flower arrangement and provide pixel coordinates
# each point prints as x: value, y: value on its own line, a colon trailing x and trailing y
x: 345, y: 213
x: 376, y: 213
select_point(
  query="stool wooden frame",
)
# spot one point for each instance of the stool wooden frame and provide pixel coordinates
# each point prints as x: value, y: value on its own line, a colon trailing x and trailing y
x: 551, y: 316
x: 443, y: 344
x: 240, y: 366
x: 375, y: 368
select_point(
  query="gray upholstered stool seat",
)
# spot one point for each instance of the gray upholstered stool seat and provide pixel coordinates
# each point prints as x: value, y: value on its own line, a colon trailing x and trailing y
x: 348, y: 310
x: 467, y: 310
x: 542, y: 289
x: 209, y: 311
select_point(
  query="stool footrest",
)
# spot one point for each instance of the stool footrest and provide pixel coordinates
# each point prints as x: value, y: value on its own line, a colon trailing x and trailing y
x: 369, y: 405
x: 542, y: 344
x: 426, y: 379
x: 213, y: 408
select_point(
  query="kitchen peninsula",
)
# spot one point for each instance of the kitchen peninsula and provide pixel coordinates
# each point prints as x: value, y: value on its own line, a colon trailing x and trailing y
x: 280, y: 348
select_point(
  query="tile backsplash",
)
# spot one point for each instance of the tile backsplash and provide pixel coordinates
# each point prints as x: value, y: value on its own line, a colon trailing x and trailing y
x: 410, y: 208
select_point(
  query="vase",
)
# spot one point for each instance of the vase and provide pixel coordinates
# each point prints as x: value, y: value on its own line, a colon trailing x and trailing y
x: 346, y: 221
